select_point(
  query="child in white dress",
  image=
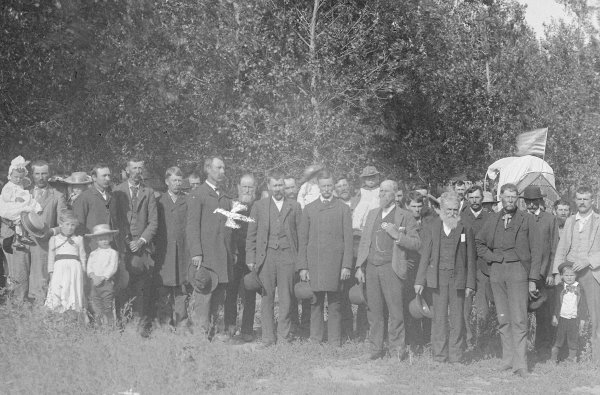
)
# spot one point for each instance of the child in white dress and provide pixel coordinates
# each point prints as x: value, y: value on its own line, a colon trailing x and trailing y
x: 66, y: 265
x: 15, y: 200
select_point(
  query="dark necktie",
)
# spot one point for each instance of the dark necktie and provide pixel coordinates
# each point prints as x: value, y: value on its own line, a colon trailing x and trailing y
x: 506, y: 218
x: 134, y: 192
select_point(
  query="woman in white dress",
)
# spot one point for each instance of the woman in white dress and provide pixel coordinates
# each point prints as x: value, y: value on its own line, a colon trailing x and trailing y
x: 66, y: 265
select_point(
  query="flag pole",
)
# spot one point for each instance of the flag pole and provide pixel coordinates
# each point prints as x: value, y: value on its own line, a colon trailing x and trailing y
x: 545, y: 145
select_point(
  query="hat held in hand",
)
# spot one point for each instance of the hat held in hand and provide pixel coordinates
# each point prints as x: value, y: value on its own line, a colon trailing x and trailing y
x: 34, y: 223
x: 302, y: 290
x: 101, y: 230
x: 419, y: 308
x: 357, y: 294
x: 204, y: 280
x: 252, y: 282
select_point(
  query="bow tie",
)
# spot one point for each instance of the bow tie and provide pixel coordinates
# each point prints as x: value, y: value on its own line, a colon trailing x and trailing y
x: 507, y: 216
x: 571, y: 288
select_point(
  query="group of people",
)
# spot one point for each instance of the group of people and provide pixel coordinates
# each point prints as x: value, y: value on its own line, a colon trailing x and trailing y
x: 421, y: 269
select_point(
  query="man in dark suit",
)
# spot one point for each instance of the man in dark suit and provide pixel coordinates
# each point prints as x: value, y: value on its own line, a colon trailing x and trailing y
x: 447, y: 266
x: 52, y: 203
x: 545, y: 229
x: 210, y: 243
x: 474, y: 217
x: 172, y: 256
x: 388, y: 235
x: 325, y: 257
x: 507, y: 243
x: 272, y: 250
x: 139, y: 221
x: 246, y: 196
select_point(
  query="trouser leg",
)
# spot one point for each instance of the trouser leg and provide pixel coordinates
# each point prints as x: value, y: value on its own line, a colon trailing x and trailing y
x: 392, y: 289
x: 592, y: 294
x: 249, y: 312
x: 268, y: 278
x: 334, y: 318
x: 456, y: 338
x: 439, y: 327
x: 501, y: 298
x: 317, y: 321
x: 375, y: 308
x: 285, y: 289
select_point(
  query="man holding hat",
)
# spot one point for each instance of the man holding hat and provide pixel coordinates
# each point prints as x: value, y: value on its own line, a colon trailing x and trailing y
x: 581, y: 245
x: 368, y: 197
x: 448, y: 267
x: 325, y: 257
x: 388, y: 235
x: 508, y: 244
x: 53, y: 203
x: 545, y: 229
x: 271, y: 251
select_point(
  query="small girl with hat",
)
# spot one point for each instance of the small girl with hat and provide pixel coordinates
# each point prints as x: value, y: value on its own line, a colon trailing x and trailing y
x: 102, y: 266
x: 77, y: 182
x: 569, y: 311
x: 66, y: 265
x: 15, y: 200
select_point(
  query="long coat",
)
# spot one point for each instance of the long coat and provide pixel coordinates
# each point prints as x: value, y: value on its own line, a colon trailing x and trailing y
x: 465, y: 256
x: 526, y: 245
x: 258, y: 231
x: 53, y: 203
x: 325, y: 243
x: 206, y: 233
x: 545, y: 227
x: 172, y: 256
x: 476, y: 223
x: 92, y: 209
x: 410, y: 241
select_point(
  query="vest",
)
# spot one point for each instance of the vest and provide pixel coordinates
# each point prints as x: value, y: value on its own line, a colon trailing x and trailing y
x: 579, y: 247
x: 505, y: 241
x: 277, y: 236
x: 382, y: 244
x: 447, y: 250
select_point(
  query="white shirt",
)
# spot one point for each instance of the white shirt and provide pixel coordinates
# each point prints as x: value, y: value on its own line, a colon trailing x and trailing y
x: 278, y: 203
x: 103, y: 193
x: 103, y: 262
x: 131, y: 186
x: 476, y: 213
x: 173, y: 196
x: 581, y: 221
x: 214, y: 187
x: 568, y: 309
x: 447, y: 229
x: 387, y: 210
x: 324, y: 200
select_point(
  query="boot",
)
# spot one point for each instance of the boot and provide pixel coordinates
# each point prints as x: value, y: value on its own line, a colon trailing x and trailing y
x: 554, y: 355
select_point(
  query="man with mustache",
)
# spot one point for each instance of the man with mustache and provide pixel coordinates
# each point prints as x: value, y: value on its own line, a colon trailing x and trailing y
x: 507, y: 243
x: 246, y: 195
x: 562, y: 211
x: 271, y: 251
x: 580, y: 245
x: 136, y: 204
x: 448, y: 267
x: 475, y: 217
x: 388, y: 235
x: 545, y: 228
x: 290, y: 187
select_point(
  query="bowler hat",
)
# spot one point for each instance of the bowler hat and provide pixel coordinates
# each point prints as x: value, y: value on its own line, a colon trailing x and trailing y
x: 78, y: 178
x: 302, y: 290
x: 100, y: 230
x: 563, y: 265
x: 369, y: 171
x: 204, y: 280
x: 488, y: 197
x: 419, y: 308
x: 34, y: 223
x: 252, y: 282
x: 357, y: 294
x: 536, y: 302
x: 532, y: 192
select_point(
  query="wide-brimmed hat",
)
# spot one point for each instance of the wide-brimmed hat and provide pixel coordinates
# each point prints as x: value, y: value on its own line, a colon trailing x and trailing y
x: 100, y: 230
x: 311, y: 170
x: 357, y: 294
x: 419, y: 308
x: 536, y: 302
x: 488, y: 197
x: 57, y: 180
x: 302, y: 290
x: 34, y: 223
x: 252, y: 282
x: 204, y: 280
x: 532, y: 192
x: 78, y: 178
x: 369, y: 171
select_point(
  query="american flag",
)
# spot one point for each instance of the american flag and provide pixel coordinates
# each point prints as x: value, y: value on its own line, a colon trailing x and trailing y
x: 532, y: 143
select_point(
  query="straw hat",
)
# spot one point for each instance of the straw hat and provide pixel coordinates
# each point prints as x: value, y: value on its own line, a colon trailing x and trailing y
x: 34, y: 223
x: 369, y: 171
x: 100, y: 230
x: 78, y: 178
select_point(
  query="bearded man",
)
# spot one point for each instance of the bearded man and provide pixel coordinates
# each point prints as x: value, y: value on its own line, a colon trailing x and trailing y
x: 388, y: 235
x: 562, y: 211
x: 507, y: 243
x: 448, y: 267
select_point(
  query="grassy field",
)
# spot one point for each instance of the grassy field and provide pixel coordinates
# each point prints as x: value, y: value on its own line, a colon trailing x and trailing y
x: 44, y: 353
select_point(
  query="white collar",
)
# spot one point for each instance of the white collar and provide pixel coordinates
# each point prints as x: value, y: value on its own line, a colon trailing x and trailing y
x: 323, y: 200
x: 578, y: 216
x: 576, y: 283
x: 214, y: 187
x: 476, y: 214
x: 279, y: 203
x: 385, y: 211
x: 447, y: 229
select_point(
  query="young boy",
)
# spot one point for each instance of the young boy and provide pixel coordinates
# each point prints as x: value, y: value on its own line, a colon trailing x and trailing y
x: 570, y: 310
x: 16, y: 200
x: 102, y: 265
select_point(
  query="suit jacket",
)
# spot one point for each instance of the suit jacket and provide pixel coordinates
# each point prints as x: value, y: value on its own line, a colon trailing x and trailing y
x: 593, y: 254
x: 141, y: 220
x: 172, y: 256
x: 206, y: 233
x: 465, y: 256
x: 545, y: 228
x: 258, y: 231
x: 325, y: 243
x: 91, y: 209
x: 526, y: 245
x: 557, y: 299
x: 476, y: 223
x: 410, y: 241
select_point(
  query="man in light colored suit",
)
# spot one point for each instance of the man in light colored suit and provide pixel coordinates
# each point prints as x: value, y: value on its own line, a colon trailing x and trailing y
x: 52, y: 203
x: 136, y: 205
x: 388, y: 234
x: 580, y: 244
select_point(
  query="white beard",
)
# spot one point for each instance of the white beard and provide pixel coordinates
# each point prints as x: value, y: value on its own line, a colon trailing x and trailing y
x: 451, y: 222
